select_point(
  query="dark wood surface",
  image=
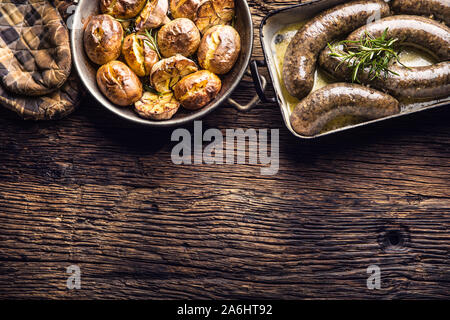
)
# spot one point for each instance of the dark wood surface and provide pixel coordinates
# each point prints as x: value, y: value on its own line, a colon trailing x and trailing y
x: 94, y: 191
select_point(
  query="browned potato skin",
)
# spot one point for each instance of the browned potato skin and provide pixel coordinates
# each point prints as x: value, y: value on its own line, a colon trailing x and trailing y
x: 214, y: 12
x: 157, y: 106
x: 198, y: 89
x: 148, y: 59
x: 119, y: 84
x: 122, y: 9
x: 174, y: 69
x: 220, y: 57
x: 103, y: 39
x: 179, y: 36
x: 153, y: 15
x: 185, y: 8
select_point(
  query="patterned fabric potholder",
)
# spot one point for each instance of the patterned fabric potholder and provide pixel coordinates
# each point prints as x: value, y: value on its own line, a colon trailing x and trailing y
x: 53, y: 106
x: 35, y: 60
x: 35, y: 56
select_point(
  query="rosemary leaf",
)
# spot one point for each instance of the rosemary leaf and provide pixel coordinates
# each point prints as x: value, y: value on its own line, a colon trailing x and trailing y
x: 149, y: 88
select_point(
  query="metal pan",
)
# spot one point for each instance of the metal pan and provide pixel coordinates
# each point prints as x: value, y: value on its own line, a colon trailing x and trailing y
x: 87, y: 71
x: 279, y: 19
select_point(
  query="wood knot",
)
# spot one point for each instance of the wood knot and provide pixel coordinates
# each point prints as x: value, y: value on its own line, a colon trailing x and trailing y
x: 394, y: 238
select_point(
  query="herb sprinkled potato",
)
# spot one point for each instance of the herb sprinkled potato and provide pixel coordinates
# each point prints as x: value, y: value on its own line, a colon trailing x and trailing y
x: 119, y: 83
x: 153, y: 15
x: 123, y: 9
x: 139, y: 54
x: 155, y: 106
x: 179, y: 36
x: 167, y: 72
x: 214, y: 12
x: 219, y: 49
x: 185, y: 8
x: 103, y: 39
x: 197, y: 89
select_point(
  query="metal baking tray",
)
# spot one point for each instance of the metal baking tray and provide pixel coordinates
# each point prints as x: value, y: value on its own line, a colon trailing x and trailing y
x: 269, y: 29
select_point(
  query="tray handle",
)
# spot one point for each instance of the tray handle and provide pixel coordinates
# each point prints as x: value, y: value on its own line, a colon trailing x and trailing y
x: 260, y: 83
x: 259, y: 80
x: 253, y: 103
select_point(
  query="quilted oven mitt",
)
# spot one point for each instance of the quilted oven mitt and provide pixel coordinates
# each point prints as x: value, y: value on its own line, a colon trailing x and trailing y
x: 35, y: 60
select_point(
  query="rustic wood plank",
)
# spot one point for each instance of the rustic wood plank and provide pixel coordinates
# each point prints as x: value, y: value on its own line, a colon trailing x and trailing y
x: 94, y: 191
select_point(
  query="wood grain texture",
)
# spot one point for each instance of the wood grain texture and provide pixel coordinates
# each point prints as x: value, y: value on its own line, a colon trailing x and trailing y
x: 94, y: 191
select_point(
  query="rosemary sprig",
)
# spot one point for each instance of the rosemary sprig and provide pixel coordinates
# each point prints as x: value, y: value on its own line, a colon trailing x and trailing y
x: 129, y: 23
x: 152, y: 41
x: 375, y: 54
x: 233, y: 21
x: 149, y: 88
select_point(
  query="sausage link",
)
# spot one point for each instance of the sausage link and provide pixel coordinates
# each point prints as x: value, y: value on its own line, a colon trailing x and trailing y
x: 313, y: 113
x: 419, y: 82
x: 413, y: 82
x: 419, y: 31
x: 439, y: 9
x: 304, y: 49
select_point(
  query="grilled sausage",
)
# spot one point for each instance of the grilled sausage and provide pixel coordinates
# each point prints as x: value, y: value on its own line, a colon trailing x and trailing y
x: 413, y: 82
x: 419, y: 31
x: 304, y: 49
x: 439, y: 9
x: 329, y: 103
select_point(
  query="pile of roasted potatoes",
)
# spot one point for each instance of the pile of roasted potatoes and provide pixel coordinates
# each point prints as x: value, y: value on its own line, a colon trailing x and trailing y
x: 158, y: 55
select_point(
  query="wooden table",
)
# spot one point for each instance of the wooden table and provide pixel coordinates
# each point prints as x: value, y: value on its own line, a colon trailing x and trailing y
x: 96, y: 192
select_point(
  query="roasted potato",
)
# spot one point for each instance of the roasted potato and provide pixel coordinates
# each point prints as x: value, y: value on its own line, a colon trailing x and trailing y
x: 139, y: 54
x: 123, y: 9
x: 214, y: 12
x: 157, y: 106
x: 179, y: 36
x: 103, y: 37
x: 119, y: 83
x: 153, y: 15
x: 185, y: 8
x: 219, y: 49
x: 167, y: 72
x: 197, y: 89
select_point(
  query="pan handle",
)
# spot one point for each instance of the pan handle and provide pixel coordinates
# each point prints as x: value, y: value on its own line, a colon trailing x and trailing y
x: 249, y: 106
